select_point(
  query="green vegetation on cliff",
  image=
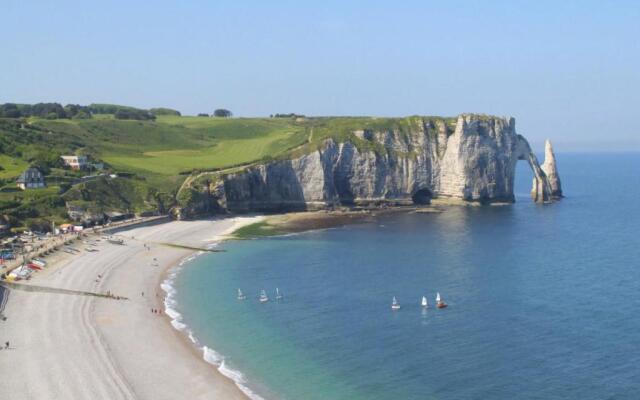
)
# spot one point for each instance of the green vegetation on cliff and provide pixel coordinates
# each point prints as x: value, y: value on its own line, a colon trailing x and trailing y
x: 153, y: 157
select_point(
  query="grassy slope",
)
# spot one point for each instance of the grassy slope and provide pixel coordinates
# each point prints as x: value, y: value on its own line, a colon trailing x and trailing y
x: 12, y: 167
x: 162, y: 153
x: 163, y: 149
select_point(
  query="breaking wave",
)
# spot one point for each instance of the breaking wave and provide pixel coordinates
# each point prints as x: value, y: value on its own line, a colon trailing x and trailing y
x: 209, y: 355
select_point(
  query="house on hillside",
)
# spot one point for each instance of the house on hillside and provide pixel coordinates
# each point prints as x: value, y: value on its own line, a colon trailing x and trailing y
x: 32, y: 178
x: 75, y: 162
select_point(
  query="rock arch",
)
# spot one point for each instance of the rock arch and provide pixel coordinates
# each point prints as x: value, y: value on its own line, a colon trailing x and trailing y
x: 543, y: 188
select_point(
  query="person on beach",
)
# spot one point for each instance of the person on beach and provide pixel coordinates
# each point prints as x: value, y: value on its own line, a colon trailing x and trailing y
x: 6, y: 345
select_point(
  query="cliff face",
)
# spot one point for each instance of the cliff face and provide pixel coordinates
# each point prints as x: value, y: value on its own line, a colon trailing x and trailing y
x: 474, y: 162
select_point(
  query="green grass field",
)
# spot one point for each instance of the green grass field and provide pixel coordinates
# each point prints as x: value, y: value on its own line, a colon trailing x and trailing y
x: 218, y: 153
x: 172, y: 145
x: 12, y: 167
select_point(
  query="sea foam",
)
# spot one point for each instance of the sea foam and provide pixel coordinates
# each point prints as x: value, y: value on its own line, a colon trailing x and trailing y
x: 209, y: 355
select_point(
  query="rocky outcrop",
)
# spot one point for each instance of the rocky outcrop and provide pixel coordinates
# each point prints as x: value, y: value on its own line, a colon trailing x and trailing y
x: 551, y: 171
x: 472, y: 161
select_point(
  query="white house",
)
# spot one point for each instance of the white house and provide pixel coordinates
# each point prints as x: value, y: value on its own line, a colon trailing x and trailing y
x: 32, y: 178
x: 75, y: 162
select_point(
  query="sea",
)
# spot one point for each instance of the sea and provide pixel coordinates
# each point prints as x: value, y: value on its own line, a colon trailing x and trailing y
x: 544, y: 299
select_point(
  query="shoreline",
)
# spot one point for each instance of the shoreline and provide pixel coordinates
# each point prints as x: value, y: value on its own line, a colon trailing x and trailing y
x: 77, y: 347
x: 142, y: 270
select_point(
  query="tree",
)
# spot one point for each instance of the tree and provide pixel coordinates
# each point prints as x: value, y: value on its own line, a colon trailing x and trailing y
x: 48, y: 110
x: 9, y: 110
x: 203, y: 115
x: 222, y: 113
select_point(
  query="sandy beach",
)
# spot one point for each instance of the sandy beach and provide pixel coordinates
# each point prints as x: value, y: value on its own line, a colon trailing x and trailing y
x: 66, y: 346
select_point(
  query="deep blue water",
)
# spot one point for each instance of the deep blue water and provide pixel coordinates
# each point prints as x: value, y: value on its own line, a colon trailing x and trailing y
x: 543, y: 299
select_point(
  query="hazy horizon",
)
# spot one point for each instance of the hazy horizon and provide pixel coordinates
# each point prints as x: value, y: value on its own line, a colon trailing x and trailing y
x: 569, y: 72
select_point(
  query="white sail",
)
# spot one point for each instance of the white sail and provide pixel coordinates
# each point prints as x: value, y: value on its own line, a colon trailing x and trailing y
x: 438, y: 297
x: 394, y: 304
x: 424, y: 301
x: 278, y: 295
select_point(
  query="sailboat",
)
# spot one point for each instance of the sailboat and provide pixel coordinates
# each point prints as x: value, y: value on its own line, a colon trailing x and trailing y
x: 425, y: 304
x: 394, y: 304
x: 263, y: 296
x: 241, y: 295
x: 439, y: 302
x: 278, y: 294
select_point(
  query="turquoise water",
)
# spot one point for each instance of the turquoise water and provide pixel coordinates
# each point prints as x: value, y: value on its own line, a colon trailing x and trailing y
x: 543, y: 299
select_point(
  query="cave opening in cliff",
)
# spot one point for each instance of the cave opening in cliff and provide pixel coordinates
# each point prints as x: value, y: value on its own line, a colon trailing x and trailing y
x: 422, y: 197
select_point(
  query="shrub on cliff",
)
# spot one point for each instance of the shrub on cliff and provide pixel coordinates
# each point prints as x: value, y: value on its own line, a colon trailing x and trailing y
x: 164, y: 111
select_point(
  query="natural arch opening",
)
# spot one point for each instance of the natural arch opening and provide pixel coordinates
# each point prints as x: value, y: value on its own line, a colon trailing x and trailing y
x: 422, y: 197
x: 540, y: 188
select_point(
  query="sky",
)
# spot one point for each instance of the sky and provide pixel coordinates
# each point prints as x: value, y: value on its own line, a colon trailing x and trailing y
x: 566, y: 70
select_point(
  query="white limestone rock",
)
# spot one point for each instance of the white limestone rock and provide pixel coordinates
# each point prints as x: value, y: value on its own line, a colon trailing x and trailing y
x: 474, y: 163
x: 551, y: 170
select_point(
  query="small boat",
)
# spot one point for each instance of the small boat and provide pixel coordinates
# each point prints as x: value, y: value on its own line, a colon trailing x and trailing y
x: 394, y: 304
x: 278, y: 294
x: 116, y: 241
x: 39, y: 261
x: 439, y: 302
x: 263, y: 297
x: 241, y: 295
x: 425, y: 304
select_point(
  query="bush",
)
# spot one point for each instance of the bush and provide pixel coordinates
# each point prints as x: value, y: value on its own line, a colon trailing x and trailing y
x: 164, y: 111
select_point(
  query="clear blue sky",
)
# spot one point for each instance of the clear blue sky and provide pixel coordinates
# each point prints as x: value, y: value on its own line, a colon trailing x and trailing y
x: 569, y: 70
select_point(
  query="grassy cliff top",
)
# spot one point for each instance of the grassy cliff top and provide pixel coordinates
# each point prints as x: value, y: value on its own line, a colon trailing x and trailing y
x: 171, y: 146
x: 157, y: 155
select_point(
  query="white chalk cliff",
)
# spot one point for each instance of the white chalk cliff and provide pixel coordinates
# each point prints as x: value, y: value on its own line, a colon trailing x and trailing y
x: 474, y: 161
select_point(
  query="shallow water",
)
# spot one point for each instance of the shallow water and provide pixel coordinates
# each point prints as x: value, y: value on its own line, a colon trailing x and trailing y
x: 542, y: 299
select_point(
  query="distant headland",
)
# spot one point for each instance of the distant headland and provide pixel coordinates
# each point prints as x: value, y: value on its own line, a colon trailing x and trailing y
x: 90, y: 164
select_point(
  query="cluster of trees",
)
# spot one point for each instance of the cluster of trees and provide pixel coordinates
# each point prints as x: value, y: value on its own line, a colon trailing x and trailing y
x: 97, y: 108
x: 290, y: 115
x: 44, y: 110
x: 122, y: 112
x: 219, y: 113
x: 164, y: 111
x: 75, y: 111
x: 222, y: 113
x: 140, y: 115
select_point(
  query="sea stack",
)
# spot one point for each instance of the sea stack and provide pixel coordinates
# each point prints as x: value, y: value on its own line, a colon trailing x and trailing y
x: 551, y: 171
